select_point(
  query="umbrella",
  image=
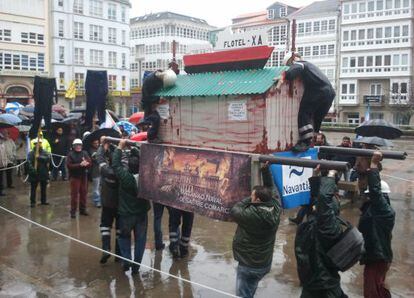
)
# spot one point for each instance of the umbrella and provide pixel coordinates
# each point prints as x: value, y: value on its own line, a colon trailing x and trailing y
x: 10, y: 118
x: 59, y: 124
x: 71, y: 119
x: 136, y: 117
x: 378, y: 128
x: 141, y: 136
x: 27, y: 111
x: 97, y: 134
x: 13, y: 132
x: 57, y: 116
x: 128, y: 126
x: 23, y: 128
x: 374, y: 141
x: 13, y: 107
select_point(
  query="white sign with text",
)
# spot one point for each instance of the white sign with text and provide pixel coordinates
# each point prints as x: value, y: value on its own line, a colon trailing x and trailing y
x: 227, y: 40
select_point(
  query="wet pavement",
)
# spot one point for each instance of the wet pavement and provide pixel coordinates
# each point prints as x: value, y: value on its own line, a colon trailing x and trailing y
x: 37, y: 263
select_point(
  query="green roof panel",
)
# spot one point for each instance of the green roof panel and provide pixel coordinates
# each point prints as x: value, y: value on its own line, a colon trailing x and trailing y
x: 252, y: 81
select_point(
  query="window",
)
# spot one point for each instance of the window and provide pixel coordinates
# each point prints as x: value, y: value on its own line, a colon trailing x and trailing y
x: 405, y: 30
x: 111, y: 35
x: 406, y: 3
x: 32, y: 38
x: 376, y: 89
x: 323, y: 50
x: 61, y: 80
x: 397, y: 4
x: 123, y: 60
x: 378, y: 33
x: 352, y: 62
x: 362, y: 7
x: 61, y: 28
x: 370, y: 61
x: 271, y: 14
x: 40, y: 62
x: 40, y: 39
x: 394, y: 88
x: 378, y: 60
x: 123, y: 37
x: 397, y: 31
x: 331, y: 25
x: 346, y: 35
x: 361, y: 34
x: 353, y: 35
x: 316, y: 26
x: 301, y: 28
x: 370, y: 34
x: 25, y: 62
x: 282, y: 11
x: 112, y: 11
x: 351, y: 88
x: 396, y: 59
x: 78, y: 30
x: 387, y: 60
x: 308, y: 27
x: 95, y: 8
x: 354, y: 7
x: 80, y: 81
x: 24, y: 37
x: 60, y: 3
x: 404, y: 59
x: 123, y: 14
x: 387, y: 32
x: 346, y: 8
x: 315, y: 51
x: 111, y: 82
x: 376, y: 115
x: 353, y: 118
x: 123, y: 81
x: 380, y: 4
x: 388, y: 4
x: 360, y: 61
x: 324, y: 26
x: 95, y: 33
x: 112, y: 59
x: 331, y: 49
x: 79, y: 56
x: 371, y: 5
x: 404, y: 88
x: 96, y: 58
x: 307, y: 51
x: 78, y: 6
x: 345, y: 62
x: 16, y: 62
x: 61, y: 54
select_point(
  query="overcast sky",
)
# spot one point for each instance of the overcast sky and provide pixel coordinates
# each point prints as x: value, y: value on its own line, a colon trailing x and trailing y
x: 216, y: 12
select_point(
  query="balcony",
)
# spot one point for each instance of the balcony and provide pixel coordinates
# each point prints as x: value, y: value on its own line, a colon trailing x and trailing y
x: 375, y: 71
x: 382, y: 15
x: 399, y: 99
x: 348, y: 100
x: 374, y: 99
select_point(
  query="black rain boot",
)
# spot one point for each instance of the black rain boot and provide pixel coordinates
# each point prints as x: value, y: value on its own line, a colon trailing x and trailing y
x: 106, y: 245
x: 174, y: 250
x: 183, y: 251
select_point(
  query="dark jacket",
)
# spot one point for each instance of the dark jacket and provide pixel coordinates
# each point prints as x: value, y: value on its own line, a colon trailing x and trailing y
x: 73, y: 161
x: 60, y: 145
x: 153, y: 120
x: 257, y: 224
x: 129, y: 203
x: 94, y: 171
x: 42, y: 171
x: 376, y: 223
x: 323, y: 230
x: 109, y: 182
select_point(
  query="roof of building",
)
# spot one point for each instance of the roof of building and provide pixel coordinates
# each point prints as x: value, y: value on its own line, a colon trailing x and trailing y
x: 317, y: 8
x: 127, y: 2
x: 253, y: 81
x: 281, y: 4
x: 167, y: 15
x: 250, y: 15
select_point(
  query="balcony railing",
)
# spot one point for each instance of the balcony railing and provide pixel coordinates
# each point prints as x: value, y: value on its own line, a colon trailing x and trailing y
x: 375, y: 99
x: 366, y: 16
x: 399, y: 99
x: 374, y: 70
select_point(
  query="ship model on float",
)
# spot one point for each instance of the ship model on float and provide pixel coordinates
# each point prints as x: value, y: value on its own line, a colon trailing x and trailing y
x: 225, y: 108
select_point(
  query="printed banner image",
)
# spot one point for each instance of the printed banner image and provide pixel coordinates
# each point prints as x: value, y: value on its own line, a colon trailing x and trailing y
x: 201, y: 181
x: 292, y: 181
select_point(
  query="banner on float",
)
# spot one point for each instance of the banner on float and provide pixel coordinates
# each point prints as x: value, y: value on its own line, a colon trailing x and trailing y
x: 292, y: 181
x: 201, y: 181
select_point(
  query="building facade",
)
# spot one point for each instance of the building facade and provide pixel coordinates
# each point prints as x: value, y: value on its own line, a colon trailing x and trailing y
x: 275, y: 19
x: 24, y: 50
x: 317, y: 34
x: 376, y: 60
x: 91, y: 35
x: 152, y: 38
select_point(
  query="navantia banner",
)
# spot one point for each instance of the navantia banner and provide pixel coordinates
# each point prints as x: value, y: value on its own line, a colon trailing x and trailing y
x: 202, y: 181
x: 291, y: 181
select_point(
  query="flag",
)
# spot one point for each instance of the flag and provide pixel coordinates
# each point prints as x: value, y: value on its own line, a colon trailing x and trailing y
x: 71, y: 92
x: 109, y: 122
x: 292, y: 181
x: 367, y: 112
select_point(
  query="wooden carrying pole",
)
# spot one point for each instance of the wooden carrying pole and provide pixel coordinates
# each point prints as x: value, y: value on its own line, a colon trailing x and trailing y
x: 400, y: 155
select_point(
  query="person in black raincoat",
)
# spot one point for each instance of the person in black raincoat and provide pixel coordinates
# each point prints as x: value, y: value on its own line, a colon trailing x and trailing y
x: 318, y: 275
x: 316, y: 100
x: 38, y: 173
x: 376, y: 225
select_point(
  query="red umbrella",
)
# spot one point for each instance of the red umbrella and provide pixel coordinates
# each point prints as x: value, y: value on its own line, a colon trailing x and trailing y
x: 13, y: 132
x: 136, y: 117
x: 139, y: 137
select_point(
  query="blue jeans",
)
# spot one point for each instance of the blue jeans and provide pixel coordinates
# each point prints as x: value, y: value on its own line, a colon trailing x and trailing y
x: 96, y: 190
x: 158, y: 211
x: 138, y: 224
x: 247, y: 280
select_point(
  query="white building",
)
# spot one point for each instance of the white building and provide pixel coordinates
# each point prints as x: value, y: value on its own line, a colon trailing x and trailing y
x: 275, y: 20
x: 317, y: 34
x: 376, y: 63
x: 91, y: 34
x: 152, y: 39
x: 24, y: 50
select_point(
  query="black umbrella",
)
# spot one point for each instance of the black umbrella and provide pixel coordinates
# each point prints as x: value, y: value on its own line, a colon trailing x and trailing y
x: 71, y: 120
x: 378, y: 128
x: 59, y: 124
x: 97, y: 134
x: 374, y: 141
x: 57, y: 116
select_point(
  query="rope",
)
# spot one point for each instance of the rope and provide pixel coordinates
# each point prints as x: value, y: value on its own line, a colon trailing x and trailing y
x: 13, y: 167
x: 115, y: 255
x: 62, y: 158
x: 398, y: 178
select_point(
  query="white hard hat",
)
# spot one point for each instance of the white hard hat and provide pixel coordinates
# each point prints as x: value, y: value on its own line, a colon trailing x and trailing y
x: 289, y: 55
x: 85, y: 134
x: 77, y: 142
x: 169, y: 78
x: 385, y: 188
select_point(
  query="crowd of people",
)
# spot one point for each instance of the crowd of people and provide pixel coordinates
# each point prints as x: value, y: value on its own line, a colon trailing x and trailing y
x: 114, y: 173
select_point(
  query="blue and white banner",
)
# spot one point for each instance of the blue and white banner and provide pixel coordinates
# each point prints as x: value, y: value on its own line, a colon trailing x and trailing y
x: 292, y: 181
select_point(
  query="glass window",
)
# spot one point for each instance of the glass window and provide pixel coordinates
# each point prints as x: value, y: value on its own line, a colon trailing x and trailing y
x: 371, y: 5
x: 346, y: 35
x: 404, y: 59
x: 123, y: 60
x: 61, y: 80
x: 95, y: 8
x: 397, y: 3
x: 380, y: 4
x: 344, y: 89
x: 394, y: 88
x: 397, y: 31
x: 388, y: 4
x: 307, y: 51
x: 308, y: 27
x: 112, y: 35
x: 95, y: 33
x: 78, y: 30
x: 370, y: 60
x: 123, y: 37
x: 301, y: 28
x: 354, y: 7
x: 60, y: 3
x: 324, y: 26
x: 112, y: 59
x: 111, y: 11
x: 388, y: 32
x: 404, y: 88
x: 25, y: 62
x: 123, y: 14
x: 331, y: 49
x: 316, y: 26
x: 360, y: 61
x: 370, y: 34
x: 353, y: 34
x: 315, y: 51
x: 323, y: 50
x: 16, y: 62
x: 61, y: 28
x: 79, y: 56
x: 331, y: 24
x: 78, y: 6
x: 32, y: 37
x: 396, y: 59
x: 346, y: 8
x: 361, y: 34
x: 352, y: 62
x: 387, y: 60
x: 345, y: 62
x: 406, y: 3
x: 351, y: 88
x: 378, y: 60
x: 378, y: 33
x: 362, y: 6
x: 24, y: 37
x: 405, y: 30
x: 61, y: 54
